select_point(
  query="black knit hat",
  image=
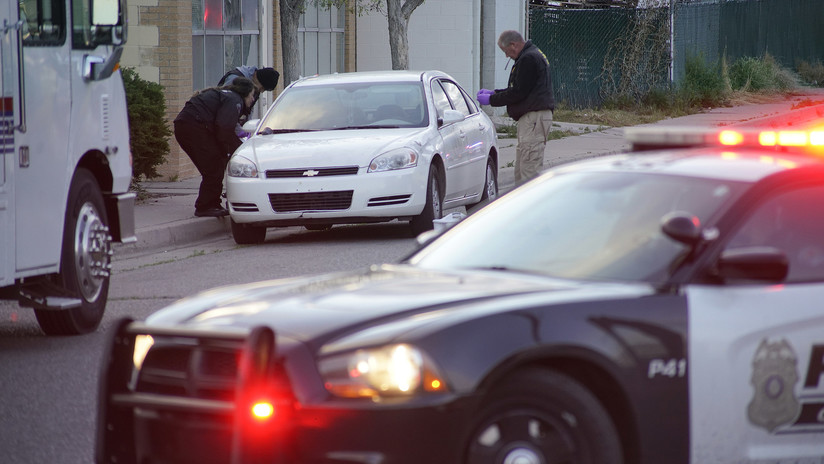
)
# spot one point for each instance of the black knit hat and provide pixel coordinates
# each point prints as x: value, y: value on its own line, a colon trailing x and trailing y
x: 268, y: 78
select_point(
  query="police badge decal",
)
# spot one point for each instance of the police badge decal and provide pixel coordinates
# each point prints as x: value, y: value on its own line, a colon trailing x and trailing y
x: 774, y: 375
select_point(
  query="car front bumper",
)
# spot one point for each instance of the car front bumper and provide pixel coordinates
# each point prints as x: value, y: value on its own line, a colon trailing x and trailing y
x: 364, y: 197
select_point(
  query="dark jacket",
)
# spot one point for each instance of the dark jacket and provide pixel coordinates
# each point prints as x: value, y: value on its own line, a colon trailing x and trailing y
x: 218, y: 112
x: 530, y: 85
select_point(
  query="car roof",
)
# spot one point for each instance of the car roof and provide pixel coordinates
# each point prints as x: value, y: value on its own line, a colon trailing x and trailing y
x: 744, y: 165
x: 370, y: 76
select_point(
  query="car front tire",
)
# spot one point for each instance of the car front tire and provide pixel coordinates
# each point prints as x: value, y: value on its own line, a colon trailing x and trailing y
x: 541, y: 416
x: 433, y: 209
x: 245, y: 234
x: 85, y: 263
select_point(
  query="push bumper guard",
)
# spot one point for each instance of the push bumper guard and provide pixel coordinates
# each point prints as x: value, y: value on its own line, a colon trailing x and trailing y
x: 250, y: 443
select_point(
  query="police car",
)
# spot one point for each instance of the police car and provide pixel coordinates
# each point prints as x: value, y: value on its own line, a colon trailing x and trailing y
x: 661, y: 306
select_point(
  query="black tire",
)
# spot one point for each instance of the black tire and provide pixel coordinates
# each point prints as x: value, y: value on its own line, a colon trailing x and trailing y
x: 490, y: 191
x: 245, y: 234
x: 543, y: 416
x: 433, y: 209
x: 85, y: 261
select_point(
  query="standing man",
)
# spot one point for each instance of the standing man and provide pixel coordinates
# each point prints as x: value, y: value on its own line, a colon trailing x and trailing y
x: 528, y: 100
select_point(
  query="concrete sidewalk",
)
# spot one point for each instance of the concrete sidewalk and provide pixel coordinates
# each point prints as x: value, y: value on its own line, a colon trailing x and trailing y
x: 166, y: 220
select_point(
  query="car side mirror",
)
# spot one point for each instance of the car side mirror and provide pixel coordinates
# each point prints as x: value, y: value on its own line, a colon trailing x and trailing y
x: 250, y: 125
x: 449, y: 117
x: 762, y: 264
x: 682, y: 227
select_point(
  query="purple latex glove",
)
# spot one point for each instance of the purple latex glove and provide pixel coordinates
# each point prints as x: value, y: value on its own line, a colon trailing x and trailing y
x: 243, y: 134
x: 483, y: 96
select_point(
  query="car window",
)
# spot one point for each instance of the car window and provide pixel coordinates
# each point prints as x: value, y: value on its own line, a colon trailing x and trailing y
x: 791, y: 222
x: 470, y: 102
x: 456, y: 97
x: 441, y: 100
x: 349, y: 105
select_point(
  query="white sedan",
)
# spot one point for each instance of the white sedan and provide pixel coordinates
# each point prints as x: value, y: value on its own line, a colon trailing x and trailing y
x: 363, y: 147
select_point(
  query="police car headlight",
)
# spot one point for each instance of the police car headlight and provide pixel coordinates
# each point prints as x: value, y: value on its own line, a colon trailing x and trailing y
x: 242, y: 167
x: 400, y: 158
x: 394, y: 370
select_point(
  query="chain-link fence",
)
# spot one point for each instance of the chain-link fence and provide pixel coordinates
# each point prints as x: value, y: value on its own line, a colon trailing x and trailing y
x: 597, y: 53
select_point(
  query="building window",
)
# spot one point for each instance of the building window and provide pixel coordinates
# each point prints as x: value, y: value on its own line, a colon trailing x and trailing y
x: 225, y: 35
x: 321, y: 40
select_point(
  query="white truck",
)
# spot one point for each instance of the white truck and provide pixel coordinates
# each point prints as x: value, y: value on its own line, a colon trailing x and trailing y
x: 65, y: 160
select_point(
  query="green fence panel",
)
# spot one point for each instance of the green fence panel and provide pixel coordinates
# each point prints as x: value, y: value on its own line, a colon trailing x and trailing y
x: 603, y: 52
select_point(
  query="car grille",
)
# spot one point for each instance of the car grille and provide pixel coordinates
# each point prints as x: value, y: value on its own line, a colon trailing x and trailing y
x: 313, y: 201
x: 310, y: 172
x: 190, y: 371
x: 390, y: 200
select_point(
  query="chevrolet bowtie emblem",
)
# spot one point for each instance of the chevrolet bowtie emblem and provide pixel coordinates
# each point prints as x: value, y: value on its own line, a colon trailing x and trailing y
x: 311, y: 173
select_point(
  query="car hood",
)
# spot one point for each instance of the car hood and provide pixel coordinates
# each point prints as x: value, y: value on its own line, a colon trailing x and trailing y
x: 327, y: 148
x: 328, y: 306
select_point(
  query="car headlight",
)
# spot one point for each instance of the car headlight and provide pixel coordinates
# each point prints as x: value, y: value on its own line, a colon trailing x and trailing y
x: 399, y: 158
x: 242, y: 167
x: 394, y: 370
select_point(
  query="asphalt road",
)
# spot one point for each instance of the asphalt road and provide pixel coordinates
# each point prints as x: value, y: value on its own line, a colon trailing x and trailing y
x: 48, y: 385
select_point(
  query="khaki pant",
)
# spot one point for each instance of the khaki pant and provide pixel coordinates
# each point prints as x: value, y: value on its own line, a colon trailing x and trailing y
x: 533, y: 130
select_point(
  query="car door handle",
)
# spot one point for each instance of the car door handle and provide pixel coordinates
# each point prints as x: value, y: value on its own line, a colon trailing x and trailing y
x: 462, y: 134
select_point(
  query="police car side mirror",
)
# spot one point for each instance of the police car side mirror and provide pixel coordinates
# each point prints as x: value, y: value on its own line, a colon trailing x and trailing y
x: 682, y: 227
x: 761, y: 264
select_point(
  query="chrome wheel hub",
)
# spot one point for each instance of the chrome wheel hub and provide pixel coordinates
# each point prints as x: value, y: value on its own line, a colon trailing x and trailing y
x: 522, y: 456
x: 92, y: 252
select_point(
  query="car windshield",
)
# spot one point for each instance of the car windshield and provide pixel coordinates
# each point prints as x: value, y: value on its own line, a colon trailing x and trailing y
x: 340, y: 106
x: 582, y: 225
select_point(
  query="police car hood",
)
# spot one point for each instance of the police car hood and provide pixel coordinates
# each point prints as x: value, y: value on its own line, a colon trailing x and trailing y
x: 316, y: 308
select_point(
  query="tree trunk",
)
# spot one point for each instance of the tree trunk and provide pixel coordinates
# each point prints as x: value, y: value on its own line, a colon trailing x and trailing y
x: 398, y: 15
x: 290, y: 11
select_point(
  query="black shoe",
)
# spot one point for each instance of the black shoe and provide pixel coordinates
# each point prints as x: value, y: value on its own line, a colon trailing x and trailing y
x: 217, y: 211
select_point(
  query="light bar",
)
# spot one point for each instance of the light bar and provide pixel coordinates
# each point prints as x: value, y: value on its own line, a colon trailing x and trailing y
x: 682, y: 137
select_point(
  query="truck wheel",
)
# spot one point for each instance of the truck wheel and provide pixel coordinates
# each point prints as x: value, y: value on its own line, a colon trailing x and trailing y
x: 540, y: 416
x: 433, y: 209
x: 248, y: 235
x: 85, y: 262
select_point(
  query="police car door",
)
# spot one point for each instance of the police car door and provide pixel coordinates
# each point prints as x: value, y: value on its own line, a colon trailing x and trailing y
x: 756, y: 351
x: 9, y: 43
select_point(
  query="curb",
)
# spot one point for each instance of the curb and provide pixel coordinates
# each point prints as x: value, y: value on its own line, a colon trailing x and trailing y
x: 799, y: 117
x: 184, y: 232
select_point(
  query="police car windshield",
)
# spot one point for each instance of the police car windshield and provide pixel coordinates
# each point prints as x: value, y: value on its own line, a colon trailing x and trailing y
x: 582, y: 225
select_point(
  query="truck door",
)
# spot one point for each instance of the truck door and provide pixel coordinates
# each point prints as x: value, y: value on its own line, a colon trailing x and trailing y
x: 8, y: 87
x: 43, y: 163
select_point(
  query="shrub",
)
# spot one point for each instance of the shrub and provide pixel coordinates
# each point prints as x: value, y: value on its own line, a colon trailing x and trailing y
x: 754, y: 74
x: 148, y: 130
x: 704, y: 84
x: 811, y: 73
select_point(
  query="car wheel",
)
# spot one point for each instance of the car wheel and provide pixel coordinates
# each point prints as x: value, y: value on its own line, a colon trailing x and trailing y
x: 539, y: 416
x: 245, y: 234
x: 433, y: 209
x: 85, y: 266
x: 318, y: 227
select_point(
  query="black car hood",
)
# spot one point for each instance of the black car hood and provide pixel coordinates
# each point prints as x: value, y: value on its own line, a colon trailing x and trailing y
x: 320, y: 307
